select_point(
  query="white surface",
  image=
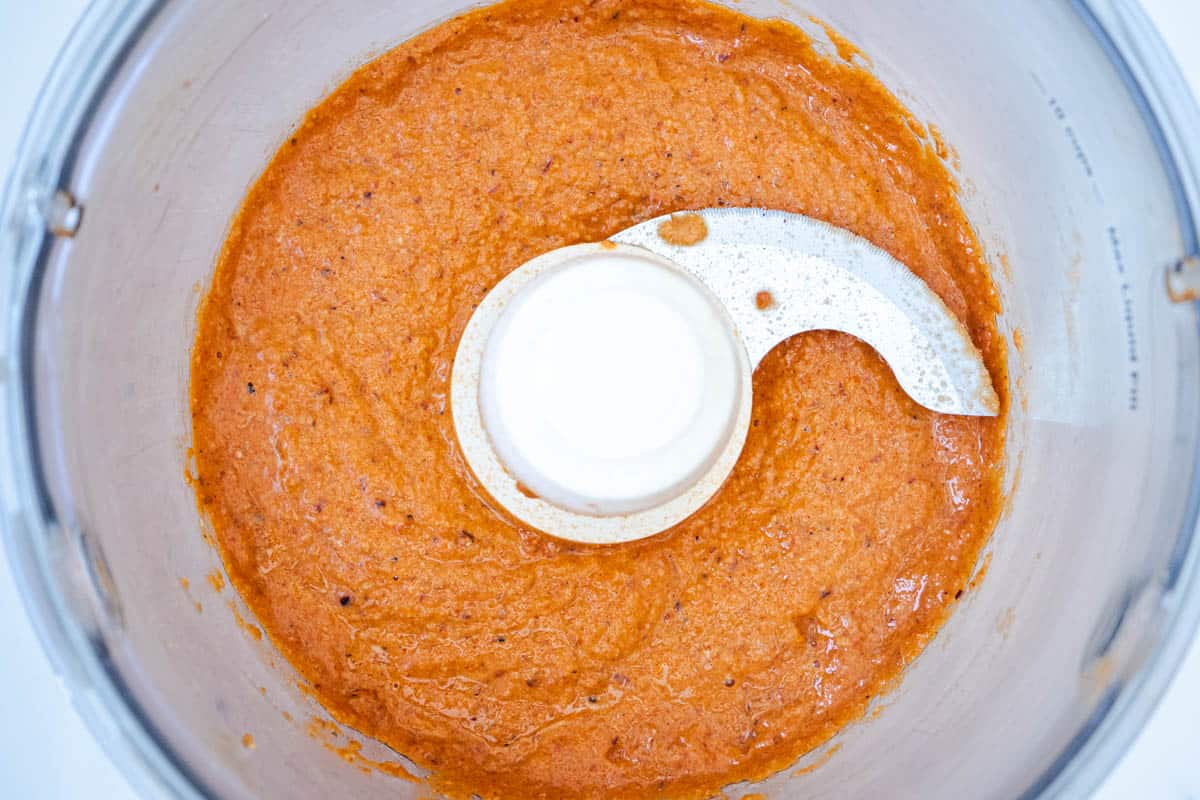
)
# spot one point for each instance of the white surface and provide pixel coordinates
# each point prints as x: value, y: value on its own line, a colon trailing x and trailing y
x: 45, y: 752
x: 601, y: 418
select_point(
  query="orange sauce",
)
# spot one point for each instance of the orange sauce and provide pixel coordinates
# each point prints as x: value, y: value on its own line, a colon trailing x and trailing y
x: 683, y: 230
x: 507, y: 662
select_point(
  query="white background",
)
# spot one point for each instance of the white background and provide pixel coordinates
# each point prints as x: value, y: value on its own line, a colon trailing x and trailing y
x: 45, y: 752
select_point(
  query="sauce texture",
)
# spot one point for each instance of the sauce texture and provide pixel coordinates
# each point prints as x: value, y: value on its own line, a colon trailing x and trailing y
x: 510, y: 663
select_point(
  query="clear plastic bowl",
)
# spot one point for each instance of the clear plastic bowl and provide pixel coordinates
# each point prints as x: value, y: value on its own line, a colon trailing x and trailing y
x: 1071, y: 127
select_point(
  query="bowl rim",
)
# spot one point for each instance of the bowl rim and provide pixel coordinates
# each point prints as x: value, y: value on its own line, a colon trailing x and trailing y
x: 85, y: 68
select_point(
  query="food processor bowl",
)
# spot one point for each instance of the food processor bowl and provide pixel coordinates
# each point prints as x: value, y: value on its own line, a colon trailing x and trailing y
x: 1066, y: 125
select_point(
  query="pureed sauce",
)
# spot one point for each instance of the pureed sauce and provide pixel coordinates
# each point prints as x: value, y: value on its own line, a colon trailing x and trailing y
x: 510, y: 663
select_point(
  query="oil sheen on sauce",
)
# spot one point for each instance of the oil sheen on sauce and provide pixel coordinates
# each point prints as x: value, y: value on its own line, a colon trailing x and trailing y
x: 509, y: 663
